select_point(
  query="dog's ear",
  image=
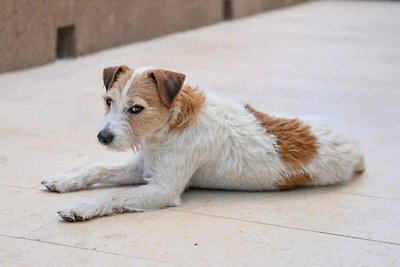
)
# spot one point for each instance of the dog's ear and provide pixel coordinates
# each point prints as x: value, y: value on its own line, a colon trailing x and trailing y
x: 168, y: 83
x: 110, y: 75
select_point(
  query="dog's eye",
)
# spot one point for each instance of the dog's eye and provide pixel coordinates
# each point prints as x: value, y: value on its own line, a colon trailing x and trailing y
x: 136, y: 109
x: 108, y: 102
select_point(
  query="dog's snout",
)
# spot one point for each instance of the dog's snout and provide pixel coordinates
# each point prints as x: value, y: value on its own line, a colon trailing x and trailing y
x: 105, y: 137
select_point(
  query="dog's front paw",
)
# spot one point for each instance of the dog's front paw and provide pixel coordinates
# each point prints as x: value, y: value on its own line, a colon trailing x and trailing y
x: 77, y: 212
x: 54, y: 185
x: 72, y: 216
x: 60, y: 183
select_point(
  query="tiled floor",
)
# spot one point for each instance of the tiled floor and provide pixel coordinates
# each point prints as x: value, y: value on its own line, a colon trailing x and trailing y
x: 339, y: 59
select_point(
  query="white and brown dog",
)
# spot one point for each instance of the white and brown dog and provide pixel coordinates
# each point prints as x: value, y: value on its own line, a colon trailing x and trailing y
x: 185, y: 137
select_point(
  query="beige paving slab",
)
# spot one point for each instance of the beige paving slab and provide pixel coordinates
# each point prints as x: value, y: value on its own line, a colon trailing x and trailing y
x: 384, y: 185
x: 380, y: 157
x: 192, y: 239
x: 320, y: 210
x: 364, y: 131
x: 24, y: 210
x: 23, y: 252
x: 381, y: 178
x: 28, y: 168
x: 392, y: 136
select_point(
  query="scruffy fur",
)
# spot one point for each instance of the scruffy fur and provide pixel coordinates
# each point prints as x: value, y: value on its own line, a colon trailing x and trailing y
x: 186, y: 137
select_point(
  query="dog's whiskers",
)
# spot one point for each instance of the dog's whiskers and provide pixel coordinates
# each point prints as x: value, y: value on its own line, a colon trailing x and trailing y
x: 134, y: 148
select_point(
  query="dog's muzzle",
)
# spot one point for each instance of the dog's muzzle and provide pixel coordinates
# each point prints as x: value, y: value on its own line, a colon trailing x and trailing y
x: 105, y: 137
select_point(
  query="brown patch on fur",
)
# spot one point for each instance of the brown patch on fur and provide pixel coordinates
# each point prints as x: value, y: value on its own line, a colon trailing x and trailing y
x: 296, y: 144
x: 295, y: 181
x: 185, y: 107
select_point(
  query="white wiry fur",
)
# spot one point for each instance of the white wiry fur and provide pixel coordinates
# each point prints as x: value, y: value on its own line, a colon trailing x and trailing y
x: 225, y: 149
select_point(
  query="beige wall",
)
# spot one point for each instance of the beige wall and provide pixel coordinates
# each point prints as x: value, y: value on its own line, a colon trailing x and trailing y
x: 28, y: 28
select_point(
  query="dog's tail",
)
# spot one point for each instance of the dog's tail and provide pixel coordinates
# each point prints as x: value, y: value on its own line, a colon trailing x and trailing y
x: 360, y: 165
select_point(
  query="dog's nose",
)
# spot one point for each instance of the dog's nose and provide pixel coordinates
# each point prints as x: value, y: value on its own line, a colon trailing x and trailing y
x: 105, y: 137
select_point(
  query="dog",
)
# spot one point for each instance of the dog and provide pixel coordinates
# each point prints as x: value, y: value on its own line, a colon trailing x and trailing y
x: 186, y: 137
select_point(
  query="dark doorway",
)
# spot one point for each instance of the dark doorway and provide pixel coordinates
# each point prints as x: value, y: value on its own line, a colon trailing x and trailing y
x: 227, y: 9
x: 65, y: 42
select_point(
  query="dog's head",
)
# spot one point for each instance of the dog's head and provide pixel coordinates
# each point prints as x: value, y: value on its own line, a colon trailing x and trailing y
x: 138, y: 103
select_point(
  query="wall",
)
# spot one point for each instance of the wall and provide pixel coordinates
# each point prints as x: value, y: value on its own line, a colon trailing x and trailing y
x: 28, y: 29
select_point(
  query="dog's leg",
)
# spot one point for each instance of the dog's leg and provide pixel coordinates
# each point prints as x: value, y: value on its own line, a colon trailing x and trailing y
x: 142, y: 198
x: 163, y: 189
x: 127, y: 173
